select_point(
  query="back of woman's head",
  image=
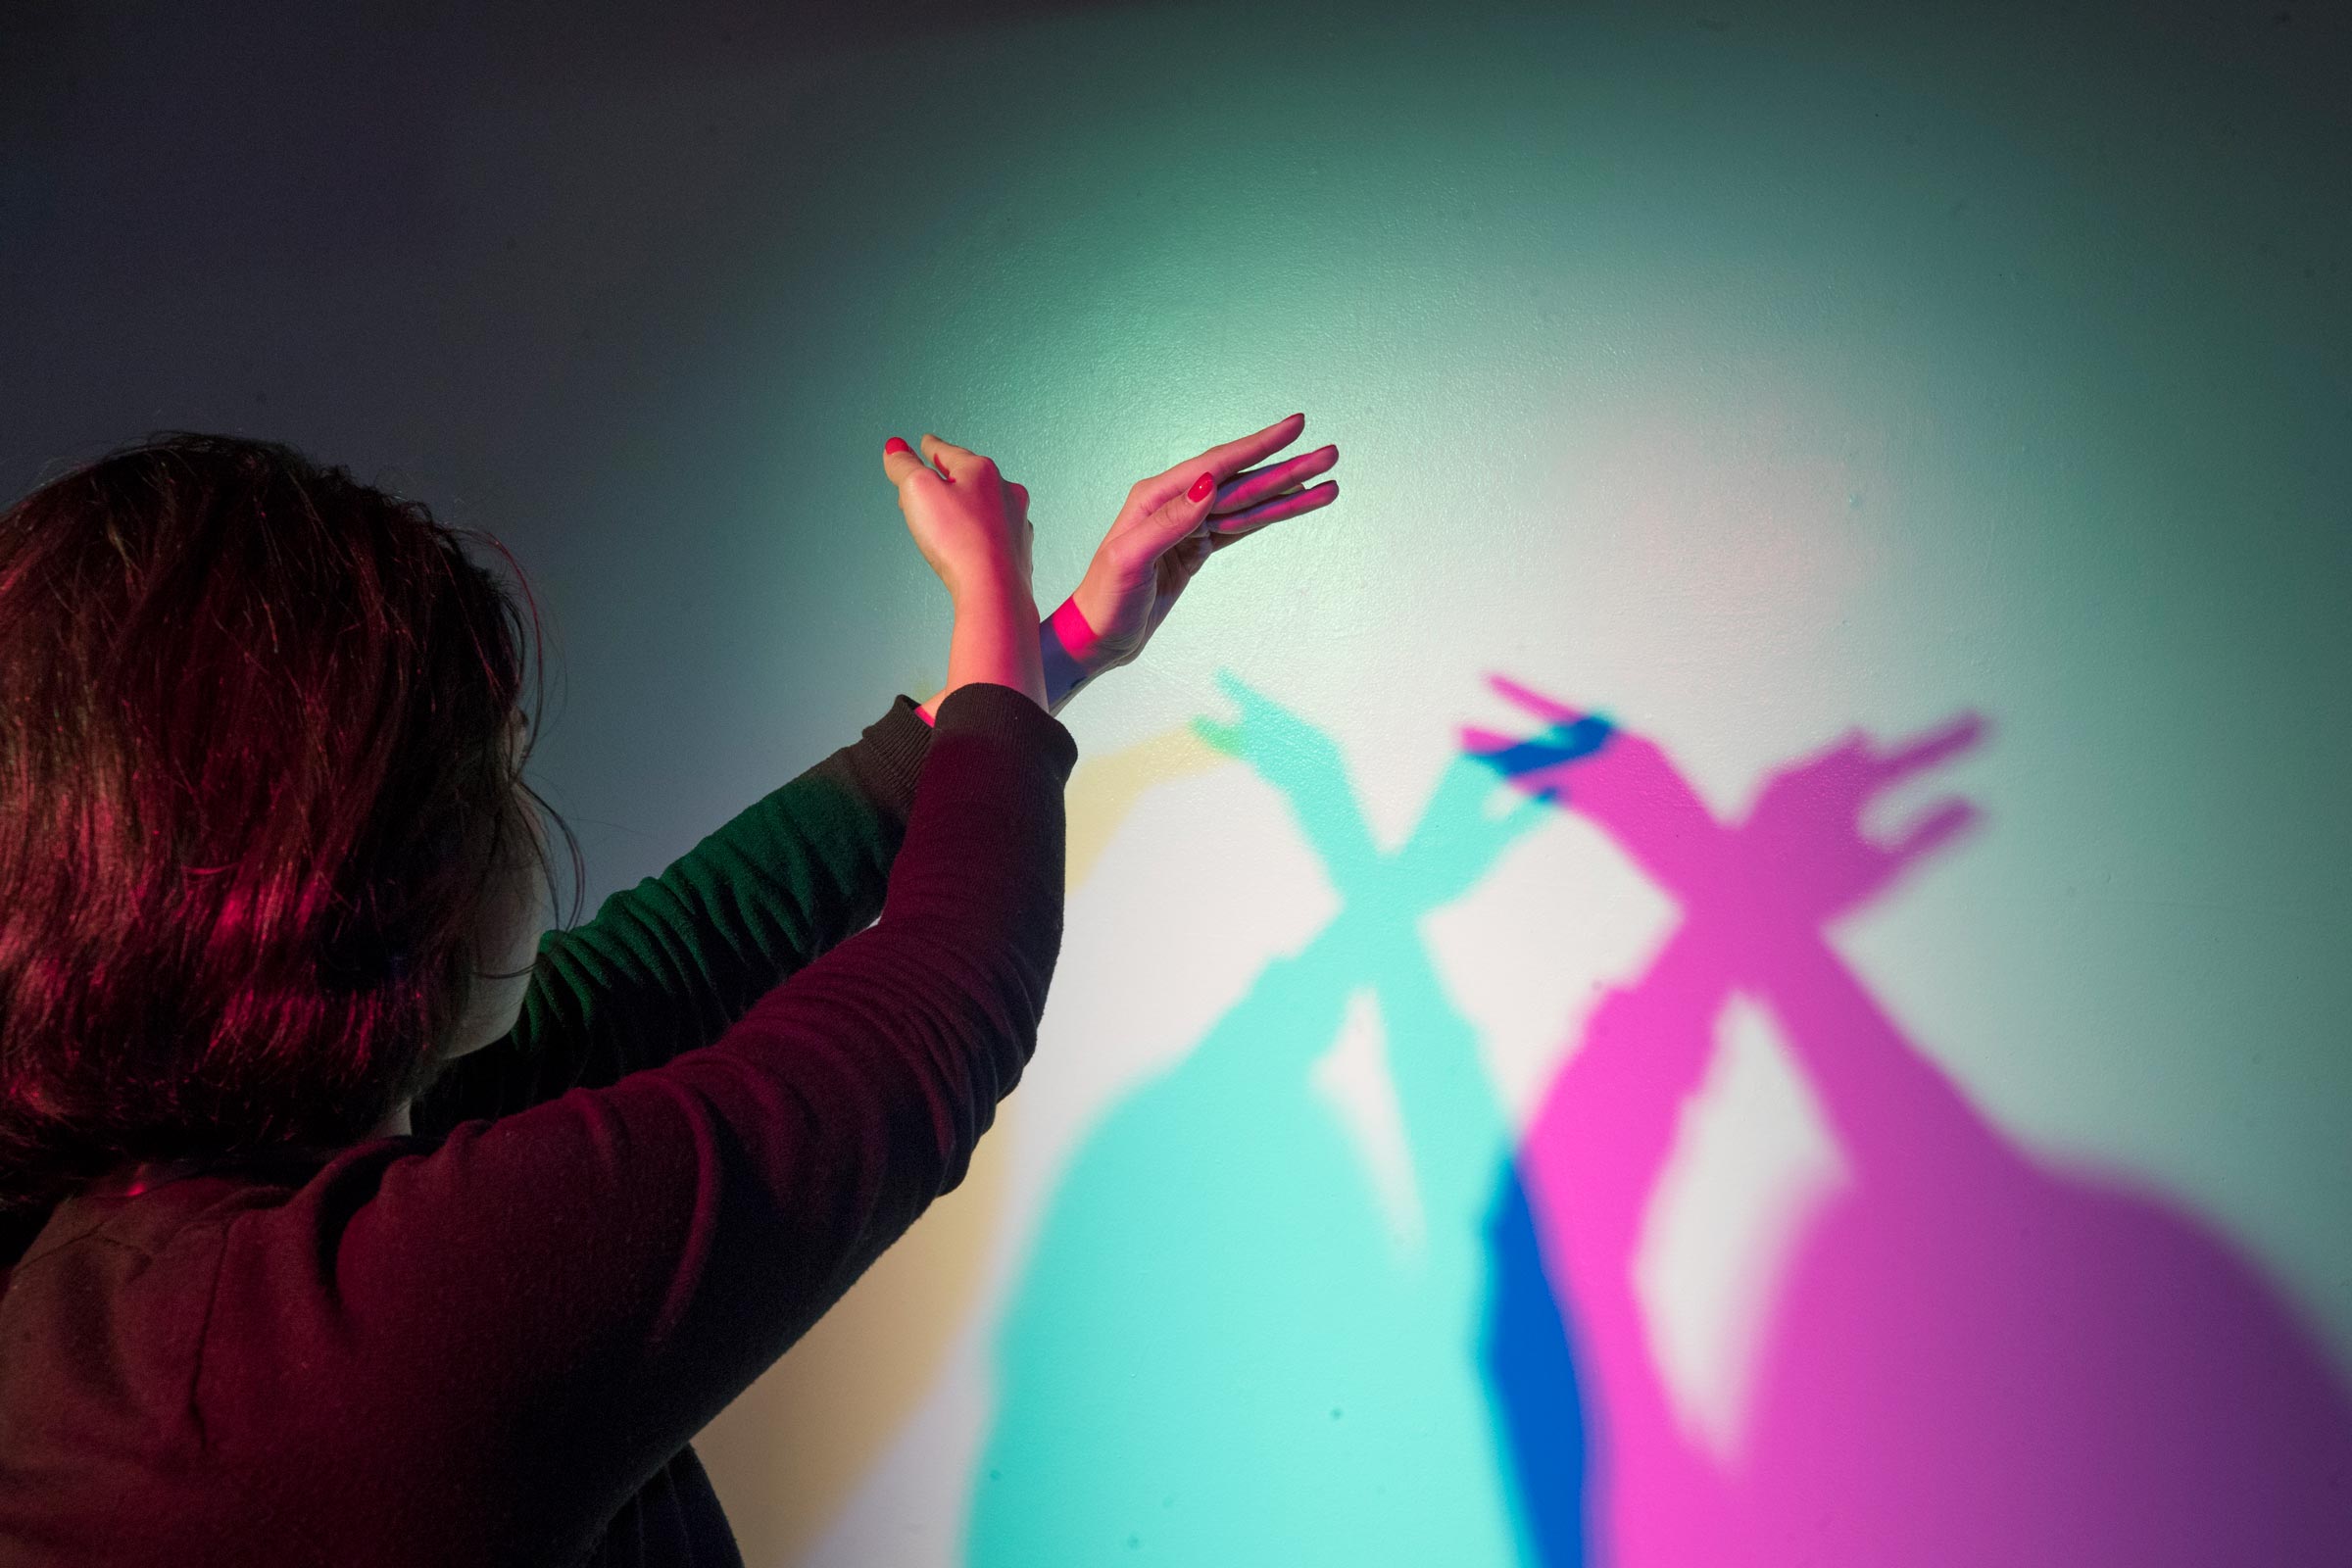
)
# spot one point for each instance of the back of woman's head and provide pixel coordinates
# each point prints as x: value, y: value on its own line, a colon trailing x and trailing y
x: 254, y: 786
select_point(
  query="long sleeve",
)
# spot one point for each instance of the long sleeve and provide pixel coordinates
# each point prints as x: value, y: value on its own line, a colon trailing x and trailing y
x: 479, y: 1350
x: 665, y: 967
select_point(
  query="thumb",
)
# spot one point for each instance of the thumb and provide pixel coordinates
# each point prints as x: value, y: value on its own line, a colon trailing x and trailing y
x: 1187, y: 509
x: 901, y: 463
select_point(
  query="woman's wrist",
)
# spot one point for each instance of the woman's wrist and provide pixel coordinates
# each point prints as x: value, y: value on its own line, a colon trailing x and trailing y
x: 996, y: 639
x: 1065, y: 673
x: 1066, y: 669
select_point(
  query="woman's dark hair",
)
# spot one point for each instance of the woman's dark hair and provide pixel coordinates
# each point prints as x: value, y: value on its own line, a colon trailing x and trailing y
x: 254, y: 786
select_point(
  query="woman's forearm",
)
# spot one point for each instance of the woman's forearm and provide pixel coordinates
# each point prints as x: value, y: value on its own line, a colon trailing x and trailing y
x: 996, y: 640
x: 1065, y: 675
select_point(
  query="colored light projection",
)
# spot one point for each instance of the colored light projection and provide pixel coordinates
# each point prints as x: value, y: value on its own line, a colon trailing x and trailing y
x: 1219, y: 1351
x: 1218, y: 1348
x: 1974, y: 1356
x: 1767, y: 371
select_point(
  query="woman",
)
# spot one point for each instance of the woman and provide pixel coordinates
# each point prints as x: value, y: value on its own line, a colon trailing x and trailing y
x: 357, y: 1217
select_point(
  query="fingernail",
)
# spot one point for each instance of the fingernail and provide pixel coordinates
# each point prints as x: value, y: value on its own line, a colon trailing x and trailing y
x: 895, y: 445
x: 1201, y: 487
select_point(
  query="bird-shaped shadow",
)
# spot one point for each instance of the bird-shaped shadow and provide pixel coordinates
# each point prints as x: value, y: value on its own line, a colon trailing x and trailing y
x: 1974, y: 1355
x: 1219, y: 1351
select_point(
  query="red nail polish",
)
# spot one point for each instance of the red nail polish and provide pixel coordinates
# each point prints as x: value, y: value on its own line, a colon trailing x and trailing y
x: 895, y: 445
x: 1201, y: 487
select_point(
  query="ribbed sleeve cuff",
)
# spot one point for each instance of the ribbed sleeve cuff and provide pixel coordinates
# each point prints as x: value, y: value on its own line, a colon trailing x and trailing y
x: 900, y: 739
x: 999, y: 713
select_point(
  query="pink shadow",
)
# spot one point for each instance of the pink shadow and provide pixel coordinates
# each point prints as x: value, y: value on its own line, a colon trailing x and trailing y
x: 1974, y: 1358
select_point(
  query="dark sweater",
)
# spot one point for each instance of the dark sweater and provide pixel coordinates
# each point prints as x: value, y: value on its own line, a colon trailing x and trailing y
x: 489, y: 1342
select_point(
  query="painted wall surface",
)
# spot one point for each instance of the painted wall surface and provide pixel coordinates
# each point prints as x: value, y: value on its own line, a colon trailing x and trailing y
x: 1738, y: 958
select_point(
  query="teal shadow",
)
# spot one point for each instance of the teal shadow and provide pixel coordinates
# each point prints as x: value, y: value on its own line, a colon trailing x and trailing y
x: 1221, y: 1352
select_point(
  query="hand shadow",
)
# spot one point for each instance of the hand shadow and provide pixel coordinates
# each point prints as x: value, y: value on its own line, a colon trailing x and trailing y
x: 1218, y: 1351
x: 1974, y: 1356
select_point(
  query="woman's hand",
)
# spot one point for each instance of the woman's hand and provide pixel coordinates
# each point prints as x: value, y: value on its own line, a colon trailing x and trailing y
x: 970, y: 522
x: 1161, y: 536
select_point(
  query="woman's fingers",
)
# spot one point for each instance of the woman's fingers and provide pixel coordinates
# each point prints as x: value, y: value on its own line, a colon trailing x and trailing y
x: 946, y: 456
x: 901, y: 463
x: 1243, y: 451
x: 1247, y: 489
x: 1222, y: 459
x: 1226, y: 530
x: 1232, y: 494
